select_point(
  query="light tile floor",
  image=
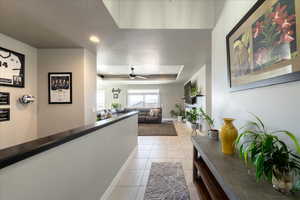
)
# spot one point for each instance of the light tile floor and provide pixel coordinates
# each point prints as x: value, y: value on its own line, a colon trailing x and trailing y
x: 150, y: 149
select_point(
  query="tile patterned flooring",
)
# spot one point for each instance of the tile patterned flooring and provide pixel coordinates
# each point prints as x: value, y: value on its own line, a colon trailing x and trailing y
x: 179, y: 148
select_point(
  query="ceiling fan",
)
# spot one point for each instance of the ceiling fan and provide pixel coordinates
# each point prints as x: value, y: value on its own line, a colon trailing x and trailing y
x: 133, y: 76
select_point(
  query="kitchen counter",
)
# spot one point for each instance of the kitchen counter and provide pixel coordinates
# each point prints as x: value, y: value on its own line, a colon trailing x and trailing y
x: 20, y: 152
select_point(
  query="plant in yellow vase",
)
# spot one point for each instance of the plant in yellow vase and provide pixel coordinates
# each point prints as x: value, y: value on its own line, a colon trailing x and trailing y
x: 228, y: 135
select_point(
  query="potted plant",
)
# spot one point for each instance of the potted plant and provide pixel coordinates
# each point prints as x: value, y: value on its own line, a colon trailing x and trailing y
x: 213, y: 133
x: 271, y: 157
x: 116, y: 106
x: 193, y: 116
x: 194, y: 90
x: 178, y: 112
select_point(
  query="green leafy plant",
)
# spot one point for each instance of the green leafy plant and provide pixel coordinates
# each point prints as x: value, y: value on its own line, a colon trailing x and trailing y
x: 178, y: 111
x: 116, y: 105
x: 194, y: 90
x: 207, y: 118
x: 192, y: 115
x: 270, y: 156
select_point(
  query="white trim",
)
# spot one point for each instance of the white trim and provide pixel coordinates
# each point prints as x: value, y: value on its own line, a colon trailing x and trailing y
x: 116, y: 179
x: 179, y: 72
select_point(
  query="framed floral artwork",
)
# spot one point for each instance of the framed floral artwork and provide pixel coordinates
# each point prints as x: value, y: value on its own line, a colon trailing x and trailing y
x: 263, y: 48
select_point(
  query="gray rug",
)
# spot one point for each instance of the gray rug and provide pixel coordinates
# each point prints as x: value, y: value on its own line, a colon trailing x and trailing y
x: 163, y: 129
x: 166, y: 182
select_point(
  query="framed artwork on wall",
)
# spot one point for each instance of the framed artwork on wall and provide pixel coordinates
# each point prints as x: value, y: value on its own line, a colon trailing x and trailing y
x: 263, y: 48
x: 60, y: 88
x: 12, y: 68
x: 4, y: 98
x: 4, y: 114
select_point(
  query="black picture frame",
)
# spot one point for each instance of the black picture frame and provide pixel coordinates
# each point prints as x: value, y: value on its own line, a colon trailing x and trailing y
x: 22, y: 71
x: 6, y: 117
x: 4, y: 101
x: 295, y: 76
x: 50, y: 101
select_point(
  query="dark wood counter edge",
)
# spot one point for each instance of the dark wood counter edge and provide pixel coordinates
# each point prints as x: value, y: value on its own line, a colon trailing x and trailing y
x: 20, y: 152
x: 228, y: 192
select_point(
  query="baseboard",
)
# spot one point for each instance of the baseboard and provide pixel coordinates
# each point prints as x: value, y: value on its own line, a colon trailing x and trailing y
x: 116, y: 179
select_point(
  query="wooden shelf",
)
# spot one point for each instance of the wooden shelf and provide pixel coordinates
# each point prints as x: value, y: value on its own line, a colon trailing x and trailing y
x: 225, y: 177
x: 201, y: 189
x: 206, y: 184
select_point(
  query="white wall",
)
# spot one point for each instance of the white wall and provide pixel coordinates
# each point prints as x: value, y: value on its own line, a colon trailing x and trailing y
x: 90, y: 86
x: 23, y: 124
x: 81, y: 169
x: 145, y: 14
x: 200, y: 79
x: 170, y: 94
x: 277, y: 105
x: 54, y: 118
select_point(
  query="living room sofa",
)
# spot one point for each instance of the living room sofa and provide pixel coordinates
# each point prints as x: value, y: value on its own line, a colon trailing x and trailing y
x: 147, y: 115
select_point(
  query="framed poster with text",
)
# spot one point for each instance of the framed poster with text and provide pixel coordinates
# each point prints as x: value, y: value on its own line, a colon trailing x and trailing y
x: 60, y: 88
x: 12, y: 68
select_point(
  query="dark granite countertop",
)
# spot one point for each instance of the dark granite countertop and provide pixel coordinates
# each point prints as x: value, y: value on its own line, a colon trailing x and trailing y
x: 237, y: 181
x: 20, y: 152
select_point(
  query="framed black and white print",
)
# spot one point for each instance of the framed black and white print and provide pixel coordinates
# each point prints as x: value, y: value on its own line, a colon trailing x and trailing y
x: 4, y: 98
x: 12, y: 68
x: 263, y: 48
x: 60, y: 88
x: 4, y: 114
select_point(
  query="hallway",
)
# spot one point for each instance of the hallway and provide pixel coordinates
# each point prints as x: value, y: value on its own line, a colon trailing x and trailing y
x: 133, y: 181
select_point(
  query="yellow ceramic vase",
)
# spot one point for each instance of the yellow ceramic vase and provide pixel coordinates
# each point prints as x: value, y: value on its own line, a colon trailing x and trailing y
x: 228, y: 135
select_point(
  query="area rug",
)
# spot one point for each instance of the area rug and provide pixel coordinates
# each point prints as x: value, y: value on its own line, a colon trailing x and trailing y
x: 163, y: 129
x: 166, y: 182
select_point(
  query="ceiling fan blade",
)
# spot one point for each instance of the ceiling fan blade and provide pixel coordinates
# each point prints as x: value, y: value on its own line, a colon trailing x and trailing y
x: 141, y: 77
x: 131, y: 77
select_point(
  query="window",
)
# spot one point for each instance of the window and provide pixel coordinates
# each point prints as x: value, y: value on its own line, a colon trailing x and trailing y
x: 143, y: 99
x: 100, y: 99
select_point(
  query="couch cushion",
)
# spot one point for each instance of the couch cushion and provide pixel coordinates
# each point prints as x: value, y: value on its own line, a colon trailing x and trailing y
x: 149, y: 118
x: 155, y: 112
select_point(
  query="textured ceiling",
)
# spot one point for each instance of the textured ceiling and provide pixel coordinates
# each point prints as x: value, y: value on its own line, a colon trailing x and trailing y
x: 69, y: 23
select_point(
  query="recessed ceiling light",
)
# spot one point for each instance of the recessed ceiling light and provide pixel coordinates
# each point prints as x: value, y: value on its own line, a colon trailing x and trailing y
x: 94, y: 39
